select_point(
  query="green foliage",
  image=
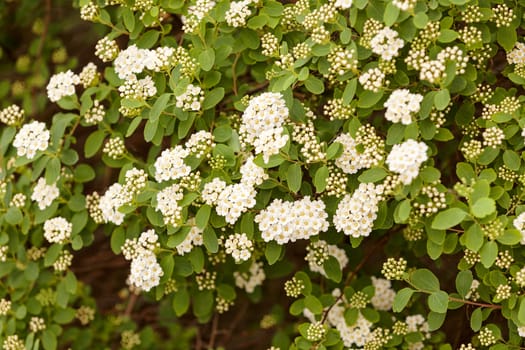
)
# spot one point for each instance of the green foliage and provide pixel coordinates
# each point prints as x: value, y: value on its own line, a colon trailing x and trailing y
x: 317, y: 144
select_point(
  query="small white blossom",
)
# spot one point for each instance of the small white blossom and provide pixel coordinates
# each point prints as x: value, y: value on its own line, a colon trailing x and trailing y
x: 44, y: 194
x: 31, y: 138
x: 406, y: 158
x: 57, y: 230
x: 61, y: 85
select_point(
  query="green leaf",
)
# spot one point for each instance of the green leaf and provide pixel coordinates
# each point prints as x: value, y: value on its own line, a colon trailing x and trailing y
x: 507, y: 37
x: 420, y: 20
x: 210, y: 240
x: 402, y: 211
x: 435, y: 320
x: 49, y: 340
x: 402, y: 298
x: 512, y: 160
x: 118, y: 237
x: 474, y: 237
x: 314, y: 85
x: 294, y: 177
x: 372, y: 175
x: 148, y: 39
x: 158, y: 107
x: 53, y: 170
x: 128, y: 19
x: 321, y: 175
x: 203, y: 303
x: 438, y: 302
x: 313, y: 304
x: 13, y: 216
x: 425, y: 280
x: 521, y: 311
x: 483, y: 207
x: 150, y: 129
x: 476, y: 319
x: 212, y: 98
x: 349, y: 92
x: 52, y: 254
x: 334, y: 151
x: 207, y: 59
x: 283, y: 82
x: 202, y: 216
x: 464, y: 282
x: 448, y: 218
x: 84, y: 173
x: 391, y: 13
x: 369, y: 99
x: 181, y: 301
x: 441, y: 99
x: 488, y: 253
x: 447, y: 36
x: 272, y: 252
x: 93, y: 143
x: 333, y: 269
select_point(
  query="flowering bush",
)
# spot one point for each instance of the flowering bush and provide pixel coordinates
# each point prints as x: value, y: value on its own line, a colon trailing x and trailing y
x: 352, y: 168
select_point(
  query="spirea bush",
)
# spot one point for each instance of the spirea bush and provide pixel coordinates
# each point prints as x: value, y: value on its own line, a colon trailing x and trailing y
x: 351, y: 172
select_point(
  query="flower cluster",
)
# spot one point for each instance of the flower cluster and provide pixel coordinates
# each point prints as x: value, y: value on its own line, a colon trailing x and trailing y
x: 251, y: 279
x: 356, y: 213
x: 11, y: 115
x: 402, y: 105
x: 44, y: 194
x: 285, y: 222
x: 61, y: 85
x: 239, y: 247
x: 363, y: 151
x: 263, y: 124
x: 406, y: 158
x: 191, y: 99
x: 386, y: 43
x: 31, y: 138
x: 170, y: 164
x: 57, y: 230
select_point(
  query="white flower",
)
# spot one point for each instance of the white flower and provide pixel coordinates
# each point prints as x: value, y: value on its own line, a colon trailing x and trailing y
x: 44, y: 194
x: 402, y: 105
x: 193, y: 239
x: 254, y: 277
x: 519, y: 224
x: 57, y: 230
x: 343, y: 4
x: 285, y: 222
x: 31, y: 138
x: 238, y: 12
x: 406, y: 158
x: 111, y: 201
x: 61, y: 85
x: 170, y: 165
x: 386, y: 43
x: 356, y: 213
x: 191, y: 99
x: 235, y: 200
x: 239, y: 247
x: 145, y: 270
x: 384, y: 295
x: 262, y: 124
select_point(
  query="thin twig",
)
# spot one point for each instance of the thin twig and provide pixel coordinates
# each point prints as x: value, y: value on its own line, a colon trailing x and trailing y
x: 131, y: 304
x: 214, y: 324
x: 490, y: 306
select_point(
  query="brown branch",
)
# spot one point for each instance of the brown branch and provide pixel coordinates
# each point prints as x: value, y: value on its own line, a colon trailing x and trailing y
x: 215, y: 322
x: 45, y: 30
x: 131, y: 303
x: 490, y: 306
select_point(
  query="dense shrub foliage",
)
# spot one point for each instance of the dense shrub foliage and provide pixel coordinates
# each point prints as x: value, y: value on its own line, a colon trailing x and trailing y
x: 353, y: 169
